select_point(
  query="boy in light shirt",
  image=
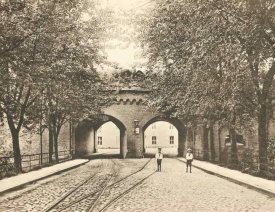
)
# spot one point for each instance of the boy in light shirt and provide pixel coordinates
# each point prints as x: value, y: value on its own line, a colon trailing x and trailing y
x: 189, y: 158
x: 159, y: 157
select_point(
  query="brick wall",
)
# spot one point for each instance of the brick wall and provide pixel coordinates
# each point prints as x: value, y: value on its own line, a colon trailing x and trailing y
x: 130, y: 109
x: 127, y: 112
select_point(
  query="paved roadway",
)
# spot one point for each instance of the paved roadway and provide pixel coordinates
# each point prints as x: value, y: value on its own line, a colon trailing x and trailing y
x: 175, y: 190
x: 169, y: 190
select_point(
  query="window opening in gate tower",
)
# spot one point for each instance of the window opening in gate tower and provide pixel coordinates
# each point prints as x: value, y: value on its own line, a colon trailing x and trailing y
x: 154, y: 139
x: 99, y: 140
x: 172, y: 139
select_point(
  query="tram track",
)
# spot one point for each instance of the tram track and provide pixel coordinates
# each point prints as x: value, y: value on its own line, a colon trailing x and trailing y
x: 110, y: 203
x: 92, y: 205
x: 52, y: 206
x: 91, y: 200
x: 76, y: 196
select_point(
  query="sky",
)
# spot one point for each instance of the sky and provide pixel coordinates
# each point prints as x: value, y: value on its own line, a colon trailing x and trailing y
x: 125, y: 53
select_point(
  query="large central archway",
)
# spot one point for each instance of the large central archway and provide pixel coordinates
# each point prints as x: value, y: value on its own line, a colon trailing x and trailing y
x: 98, y: 133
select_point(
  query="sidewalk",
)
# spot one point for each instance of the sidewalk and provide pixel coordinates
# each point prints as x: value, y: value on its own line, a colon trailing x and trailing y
x: 15, y: 182
x: 258, y: 183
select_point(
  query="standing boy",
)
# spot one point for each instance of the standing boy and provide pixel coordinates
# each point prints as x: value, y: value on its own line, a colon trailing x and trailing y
x: 189, y: 159
x: 159, y: 157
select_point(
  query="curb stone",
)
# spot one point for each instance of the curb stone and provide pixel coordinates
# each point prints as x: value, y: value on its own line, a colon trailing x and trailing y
x: 17, y: 187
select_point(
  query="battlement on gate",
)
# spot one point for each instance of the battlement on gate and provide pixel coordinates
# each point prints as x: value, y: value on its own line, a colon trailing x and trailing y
x: 130, y: 101
x: 131, y: 95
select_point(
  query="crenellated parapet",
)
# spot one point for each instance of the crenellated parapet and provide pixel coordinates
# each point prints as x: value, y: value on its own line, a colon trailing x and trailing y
x: 130, y: 96
x: 128, y: 101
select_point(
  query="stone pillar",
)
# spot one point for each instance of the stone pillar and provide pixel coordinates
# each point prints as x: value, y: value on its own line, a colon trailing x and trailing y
x: 85, y: 143
x: 217, y: 142
x: 138, y: 148
x: 182, y: 140
x: 95, y: 142
x: 123, y: 143
x: 73, y: 145
x: 90, y: 142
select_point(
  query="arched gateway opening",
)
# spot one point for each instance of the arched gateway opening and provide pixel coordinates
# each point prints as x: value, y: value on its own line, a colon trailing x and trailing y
x: 166, y: 133
x: 108, y: 138
x: 161, y: 134
x: 100, y: 134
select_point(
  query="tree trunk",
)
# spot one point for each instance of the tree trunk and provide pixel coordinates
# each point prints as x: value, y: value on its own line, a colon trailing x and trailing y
x: 262, y: 137
x: 16, y: 150
x: 212, y: 147
x: 56, y: 145
x: 220, y: 144
x: 51, y: 141
x: 205, y: 143
x: 234, y: 151
x: 194, y: 138
x: 70, y: 140
x: 15, y: 143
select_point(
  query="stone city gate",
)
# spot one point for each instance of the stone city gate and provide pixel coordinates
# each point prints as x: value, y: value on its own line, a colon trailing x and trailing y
x: 132, y: 116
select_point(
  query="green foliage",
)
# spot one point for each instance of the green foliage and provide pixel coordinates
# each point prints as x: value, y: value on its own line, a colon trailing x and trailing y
x: 55, y: 47
x: 271, y: 149
x: 48, y: 51
x: 204, y: 69
x: 214, y: 60
x: 247, y: 163
x: 127, y: 78
x: 7, y: 168
x: 6, y: 151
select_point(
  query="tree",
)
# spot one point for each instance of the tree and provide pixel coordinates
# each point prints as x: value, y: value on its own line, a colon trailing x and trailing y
x: 43, y: 41
x: 73, y: 85
x: 76, y: 94
x: 219, y: 53
x: 127, y: 78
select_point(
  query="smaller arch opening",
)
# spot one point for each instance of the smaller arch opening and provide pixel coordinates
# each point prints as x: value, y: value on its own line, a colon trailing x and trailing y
x: 108, y: 138
x: 176, y: 148
x: 100, y: 134
x: 161, y: 134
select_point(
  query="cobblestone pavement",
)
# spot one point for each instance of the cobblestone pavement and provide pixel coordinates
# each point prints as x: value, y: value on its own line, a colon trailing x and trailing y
x: 41, y: 197
x: 174, y: 190
x: 169, y: 190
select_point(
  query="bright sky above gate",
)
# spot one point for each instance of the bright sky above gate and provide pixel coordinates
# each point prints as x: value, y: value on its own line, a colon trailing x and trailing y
x: 122, y: 49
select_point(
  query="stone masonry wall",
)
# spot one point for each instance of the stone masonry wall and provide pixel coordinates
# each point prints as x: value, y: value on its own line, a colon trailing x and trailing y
x: 30, y: 140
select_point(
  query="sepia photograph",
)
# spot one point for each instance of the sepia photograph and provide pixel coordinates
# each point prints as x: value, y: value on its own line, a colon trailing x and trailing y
x: 137, y: 105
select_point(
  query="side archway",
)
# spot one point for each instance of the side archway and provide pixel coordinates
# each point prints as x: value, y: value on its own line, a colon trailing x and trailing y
x: 180, y: 135
x: 86, y: 142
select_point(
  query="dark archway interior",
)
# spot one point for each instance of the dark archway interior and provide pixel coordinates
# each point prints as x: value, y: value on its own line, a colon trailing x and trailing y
x: 85, y: 132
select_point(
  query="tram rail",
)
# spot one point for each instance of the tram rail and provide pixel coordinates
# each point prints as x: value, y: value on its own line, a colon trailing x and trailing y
x: 93, y: 198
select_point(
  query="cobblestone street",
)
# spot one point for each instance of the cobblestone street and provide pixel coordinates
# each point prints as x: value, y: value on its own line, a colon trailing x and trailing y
x: 133, y: 185
x: 174, y: 190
